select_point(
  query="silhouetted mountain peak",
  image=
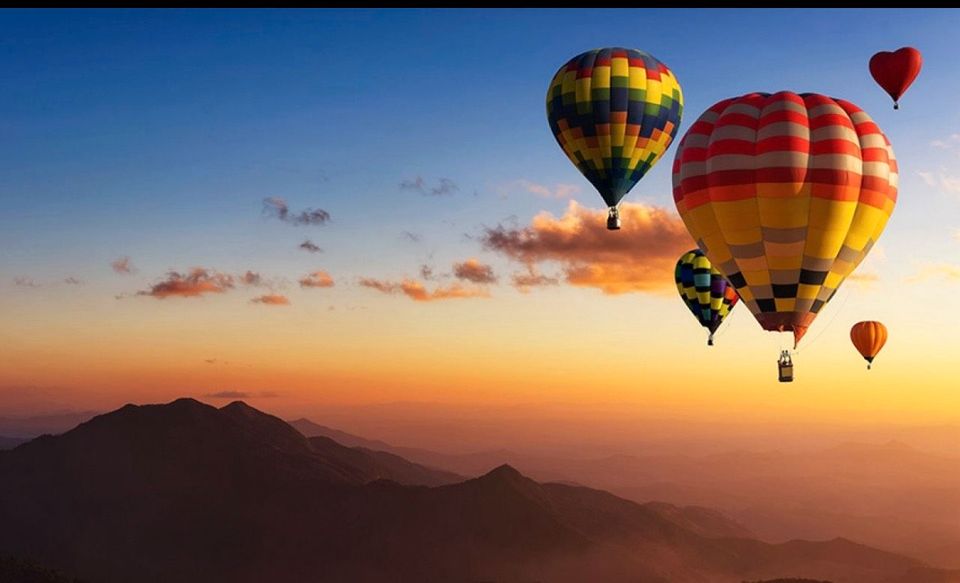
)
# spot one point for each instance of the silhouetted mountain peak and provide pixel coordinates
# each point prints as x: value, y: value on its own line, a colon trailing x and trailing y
x: 504, y: 472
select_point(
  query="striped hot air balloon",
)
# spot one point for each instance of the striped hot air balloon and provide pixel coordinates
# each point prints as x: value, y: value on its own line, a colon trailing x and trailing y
x: 614, y: 111
x: 704, y: 290
x: 868, y: 338
x: 786, y: 194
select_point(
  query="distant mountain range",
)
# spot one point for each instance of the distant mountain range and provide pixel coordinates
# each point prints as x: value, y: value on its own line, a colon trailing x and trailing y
x: 889, y: 494
x: 187, y: 492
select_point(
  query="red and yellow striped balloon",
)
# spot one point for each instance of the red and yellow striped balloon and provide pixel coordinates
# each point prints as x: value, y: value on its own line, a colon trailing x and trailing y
x: 785, y: 194
x: 869, y: 337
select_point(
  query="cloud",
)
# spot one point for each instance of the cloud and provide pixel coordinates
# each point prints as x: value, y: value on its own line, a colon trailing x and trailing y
x: 426, y: 272
x: 949, y: 143
x: 867, y: 280
x: 418, y: 292
x: 310, y: 246
x: 240, y: 395
x: 928, y: 271
x: 277, y: 207
x: 123, y: 265
x: 473, y: 270
x: 251, y: 278
x: 412, y: 237
x: 559, y: 190
x: 443, y: 187
x: 942, y: 181
x: 318, y: 278
x: 21, y: 281
x: 272, y: 300
x: 72, y: 280
x: 639, y: 258
x: 196, y: 282
x: 531, y: 278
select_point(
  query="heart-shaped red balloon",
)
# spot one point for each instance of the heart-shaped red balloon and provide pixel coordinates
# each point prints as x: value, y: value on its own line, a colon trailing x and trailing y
x: 896, y: 71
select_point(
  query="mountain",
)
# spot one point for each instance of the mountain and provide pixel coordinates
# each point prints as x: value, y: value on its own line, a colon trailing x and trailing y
x: 311, y: 429
x: 187, y: 492
x: 16, y: 570
x: 11, y: 442
x: 380, y: 465
x: 29, y: 427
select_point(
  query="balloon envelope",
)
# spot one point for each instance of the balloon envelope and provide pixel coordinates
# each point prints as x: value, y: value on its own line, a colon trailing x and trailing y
x: 785, y: 194
x: 868, y: 337
x: 614, y: 111
x: 704, y: 290
x: 896, y: 71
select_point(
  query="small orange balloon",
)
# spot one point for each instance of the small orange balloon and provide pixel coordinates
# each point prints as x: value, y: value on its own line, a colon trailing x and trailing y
x: 869, y: 337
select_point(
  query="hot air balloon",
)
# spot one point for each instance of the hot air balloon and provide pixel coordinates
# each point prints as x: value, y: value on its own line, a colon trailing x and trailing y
x: 868, y: 337
x: 614, y: 111
x: 896, y: 71
x: 785, y: 194
x: 704, y: 290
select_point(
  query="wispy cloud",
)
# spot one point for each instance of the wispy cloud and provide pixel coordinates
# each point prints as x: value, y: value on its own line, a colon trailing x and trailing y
x: 310, y: 246
x: 23, y: 281
x: 251, y: 278
x: 942, y: 181
x: 194, y: 283
x: 318, y: 278
x: 272, y: 300
x: 412, y: 237
x: 277, y: 207
x: 72, y: 280
x: 123, y: 265
x: 443, y: 187
x: 559, y: 190
x: 426, y: 272
x: 241, y: 395
x: 941, y: 270
x: 951, y: 142
x: 866, y: 280
x: 418, y: 292
x: 473, y: 270
x: 638, y: 258
x: 524, y: 281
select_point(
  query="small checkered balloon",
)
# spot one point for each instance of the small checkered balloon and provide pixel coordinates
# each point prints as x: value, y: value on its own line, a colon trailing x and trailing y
x: 704, y: 290
x: 614, y: 111
x: 785, y: 194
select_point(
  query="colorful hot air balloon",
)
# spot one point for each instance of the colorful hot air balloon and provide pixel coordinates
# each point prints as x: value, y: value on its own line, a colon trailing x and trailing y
x: 896, y: 71
x: 785, y: 194
x: 869, y: 337
x: 614, y: 111
x: 704, y: 290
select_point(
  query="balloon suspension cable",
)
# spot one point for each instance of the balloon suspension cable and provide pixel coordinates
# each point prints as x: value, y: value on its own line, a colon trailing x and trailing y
x: 846, y: 297
x: 613, y: 218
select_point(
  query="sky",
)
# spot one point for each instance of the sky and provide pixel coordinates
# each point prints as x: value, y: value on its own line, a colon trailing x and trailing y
x: 295, y: 207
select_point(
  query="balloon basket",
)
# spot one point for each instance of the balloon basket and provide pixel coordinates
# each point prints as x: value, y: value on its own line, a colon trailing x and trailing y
x: 613, y: 219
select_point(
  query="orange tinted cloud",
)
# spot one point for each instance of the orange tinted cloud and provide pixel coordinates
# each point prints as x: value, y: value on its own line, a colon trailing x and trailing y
x: 639, y: 258
x: 418, y: 292
x: 318, y: 278
x: 927, y: 271
x: 197, y: 282
x: 473, y: 270
x: 272, y: 300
